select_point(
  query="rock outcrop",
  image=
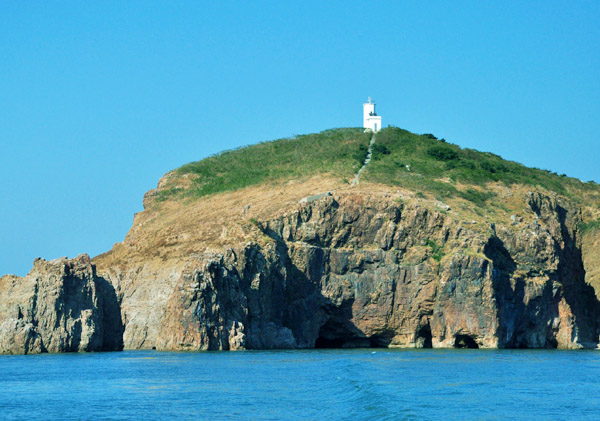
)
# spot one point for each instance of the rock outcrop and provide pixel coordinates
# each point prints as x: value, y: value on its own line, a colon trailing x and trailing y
x: 353, y: 269
x: 60, y: 306
x: 358, y: 270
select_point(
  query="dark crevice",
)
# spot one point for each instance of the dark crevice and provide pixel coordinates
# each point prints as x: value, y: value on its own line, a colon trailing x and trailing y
x: 322, y: 343
x: 379, y: 341
x: 112, y: 339
x: 465, y: 341
x: 424, y: 337
x: 551, y: 343
x: 342, y: 334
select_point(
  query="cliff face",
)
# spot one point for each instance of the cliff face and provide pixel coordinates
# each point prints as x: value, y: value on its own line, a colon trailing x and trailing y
x: 354, y: 269
x: 364, y: 270
x: 60, y: 306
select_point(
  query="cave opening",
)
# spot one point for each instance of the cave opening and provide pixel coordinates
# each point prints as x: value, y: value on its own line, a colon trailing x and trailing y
x: 465, y: 341
x: 379, y: 341
x: 325, y: 343
x: 424, y: 337
x: 340, y: 334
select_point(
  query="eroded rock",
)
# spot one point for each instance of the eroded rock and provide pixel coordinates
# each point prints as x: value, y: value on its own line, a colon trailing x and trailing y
x: 60, y: 306
x: 353, y: 270
x: 358, y: 271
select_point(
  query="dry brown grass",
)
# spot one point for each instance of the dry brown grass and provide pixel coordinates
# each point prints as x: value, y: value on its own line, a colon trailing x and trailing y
x: 176, y: 229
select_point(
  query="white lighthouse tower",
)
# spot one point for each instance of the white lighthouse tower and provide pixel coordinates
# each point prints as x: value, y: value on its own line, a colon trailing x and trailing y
x: 371, y: 121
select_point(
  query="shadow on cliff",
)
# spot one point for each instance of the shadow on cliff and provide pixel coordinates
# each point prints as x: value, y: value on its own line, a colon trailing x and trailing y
x: 509, y: 302
x: 530, y: 325
x: 520, y: 325
x: 580, y: 296
x: 112, y: 338
x: 315, y: 320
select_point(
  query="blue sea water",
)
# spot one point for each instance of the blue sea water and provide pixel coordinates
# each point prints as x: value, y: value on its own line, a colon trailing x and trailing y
x: 313, y: 384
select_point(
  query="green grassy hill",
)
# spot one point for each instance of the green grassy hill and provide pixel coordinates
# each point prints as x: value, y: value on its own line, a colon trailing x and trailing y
x: 421, y: 163
x: 424, y: 163
x: 338, y: 151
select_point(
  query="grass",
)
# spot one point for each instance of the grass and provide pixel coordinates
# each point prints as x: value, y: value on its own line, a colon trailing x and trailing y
x: 424, y: 163
x: 589, y: 226
x: 339, y: 152
x: 478, y: 197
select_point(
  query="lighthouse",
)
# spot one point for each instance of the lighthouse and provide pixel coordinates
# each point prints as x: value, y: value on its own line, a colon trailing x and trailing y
x: 371, y: 121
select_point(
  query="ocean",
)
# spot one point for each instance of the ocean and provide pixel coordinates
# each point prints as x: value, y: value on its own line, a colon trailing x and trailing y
x: 358, y: 384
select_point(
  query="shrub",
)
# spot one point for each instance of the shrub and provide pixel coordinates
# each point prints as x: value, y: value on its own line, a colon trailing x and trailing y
x: 442, y: 153
x: 436, y: 250
x: 476, y: 196
x: 450, y: 165
x: 467, y: 164
x: 361, y: 154
x: 379, y: 150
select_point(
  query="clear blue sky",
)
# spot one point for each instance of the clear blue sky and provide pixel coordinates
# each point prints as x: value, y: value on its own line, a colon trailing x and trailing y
x: 99, y: 99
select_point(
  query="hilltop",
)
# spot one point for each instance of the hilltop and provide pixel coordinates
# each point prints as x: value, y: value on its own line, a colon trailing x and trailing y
x: 401, y: 158
x: 437, y: 246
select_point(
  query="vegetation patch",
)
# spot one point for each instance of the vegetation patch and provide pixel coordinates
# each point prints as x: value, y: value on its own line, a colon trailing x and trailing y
x: 589, y: 226
x: 436, y: 250
x: 378, y: 151
x: 413, y: 158
x: 361, y: 154
x: 339, y: 152
x: 421, y: 163
x: 442, y: 153
x: 478, y: 197
x: 165, y: 194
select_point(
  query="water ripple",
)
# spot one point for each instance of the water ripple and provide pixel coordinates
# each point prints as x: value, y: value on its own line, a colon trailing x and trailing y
x: 315, y: 384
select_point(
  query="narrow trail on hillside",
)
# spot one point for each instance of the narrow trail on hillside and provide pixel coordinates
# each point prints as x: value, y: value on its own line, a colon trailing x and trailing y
x: 367, y: 160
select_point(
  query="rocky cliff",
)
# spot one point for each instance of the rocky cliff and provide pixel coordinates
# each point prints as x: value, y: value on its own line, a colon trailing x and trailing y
x: 361, y: 269
x: 359, y: 272
x: 349, y: 270
x: 60, y: 306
